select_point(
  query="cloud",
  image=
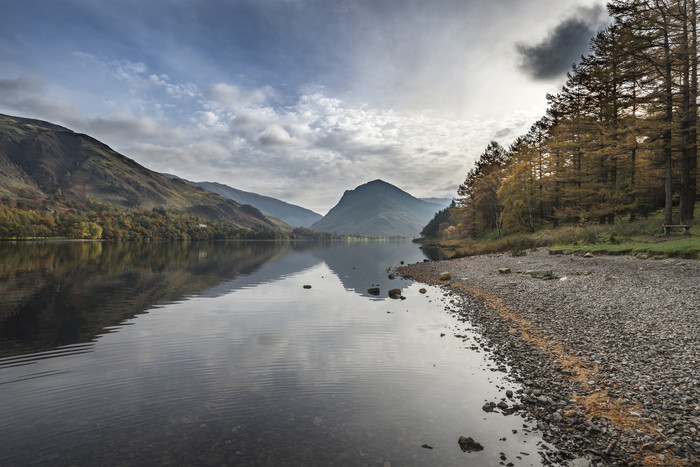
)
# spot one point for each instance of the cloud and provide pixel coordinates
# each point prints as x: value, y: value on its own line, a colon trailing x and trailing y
x: 26, y: 96
x: 502, y: 133
x: 121, y: 127
x: 24, y: 84
x: 137, y: 77
x: 316, y: 141
x: 233, y: 96
x: 563, y: 46
x: 275, y: 135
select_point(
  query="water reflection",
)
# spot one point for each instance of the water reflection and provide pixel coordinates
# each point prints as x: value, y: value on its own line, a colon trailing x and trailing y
x: 218, y: 355
x: 362, y: 265
x: 60, y: 293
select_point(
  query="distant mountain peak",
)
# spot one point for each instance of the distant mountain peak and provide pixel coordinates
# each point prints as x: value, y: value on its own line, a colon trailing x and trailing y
x: 378, y: 181
x: 377, y: 208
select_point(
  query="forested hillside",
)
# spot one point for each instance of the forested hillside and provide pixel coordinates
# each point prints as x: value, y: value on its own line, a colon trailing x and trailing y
x: 617, y: 142
x: 55, y: 182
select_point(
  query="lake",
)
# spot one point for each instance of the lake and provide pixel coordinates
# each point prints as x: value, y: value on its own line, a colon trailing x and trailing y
x: 216, y: 354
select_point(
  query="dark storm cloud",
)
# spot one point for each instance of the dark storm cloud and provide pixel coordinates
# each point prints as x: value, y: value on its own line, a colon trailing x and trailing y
x: 564, y: 45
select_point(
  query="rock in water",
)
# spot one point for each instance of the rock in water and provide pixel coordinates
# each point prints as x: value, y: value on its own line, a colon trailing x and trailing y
x: 469, y: 445
x: 307, y: 286
x: 373, y: 291
x: 489, y: 407
x: 423, y: 291
x: 445, y: 276
x: 395, y: 293
x: 580, y: 462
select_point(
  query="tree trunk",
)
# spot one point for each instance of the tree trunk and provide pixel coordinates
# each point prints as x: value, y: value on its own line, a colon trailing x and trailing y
x: 687, y: 198
x: 667, y: 135
x: 693, y: 155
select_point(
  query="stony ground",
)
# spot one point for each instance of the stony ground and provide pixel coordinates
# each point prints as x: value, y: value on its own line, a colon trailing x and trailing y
x: 607, y: 349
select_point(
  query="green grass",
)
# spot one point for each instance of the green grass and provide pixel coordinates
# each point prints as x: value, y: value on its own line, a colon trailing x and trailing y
x: 685, y: 247
x: 643, y: 237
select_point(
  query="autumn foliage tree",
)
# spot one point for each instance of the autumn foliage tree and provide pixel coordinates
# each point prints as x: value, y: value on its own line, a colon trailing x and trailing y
x: 619, y: 140
x: 479, y: 206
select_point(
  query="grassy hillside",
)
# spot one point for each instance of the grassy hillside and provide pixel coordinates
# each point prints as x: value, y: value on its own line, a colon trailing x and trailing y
x: 49, y: 167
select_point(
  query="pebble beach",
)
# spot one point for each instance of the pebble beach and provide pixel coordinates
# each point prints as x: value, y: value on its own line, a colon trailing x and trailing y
x: 605, y: 348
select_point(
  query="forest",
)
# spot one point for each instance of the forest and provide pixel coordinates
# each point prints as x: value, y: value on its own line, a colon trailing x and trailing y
x: 618, y: 142
x: 105, y: 221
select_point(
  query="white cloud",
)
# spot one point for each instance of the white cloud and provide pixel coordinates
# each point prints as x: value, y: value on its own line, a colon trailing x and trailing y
x: 232, y: 96
x: 122, y: 127
x: 324, y: 143
x: 275, y: 135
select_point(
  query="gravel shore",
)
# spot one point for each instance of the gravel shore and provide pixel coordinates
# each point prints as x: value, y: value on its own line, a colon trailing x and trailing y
x: 607, y: 349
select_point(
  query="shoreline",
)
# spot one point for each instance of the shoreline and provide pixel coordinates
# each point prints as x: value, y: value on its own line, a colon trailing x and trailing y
x: 607, y: 349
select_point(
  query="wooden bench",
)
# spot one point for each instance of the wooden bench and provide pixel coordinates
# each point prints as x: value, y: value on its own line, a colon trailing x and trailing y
x: 667, y: 228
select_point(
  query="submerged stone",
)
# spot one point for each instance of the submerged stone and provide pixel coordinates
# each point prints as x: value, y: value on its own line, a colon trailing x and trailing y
x: 468, y: 444
x: 395, y: 293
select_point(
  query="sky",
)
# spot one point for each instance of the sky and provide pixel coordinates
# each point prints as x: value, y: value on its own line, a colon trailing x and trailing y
x: 295, y: 99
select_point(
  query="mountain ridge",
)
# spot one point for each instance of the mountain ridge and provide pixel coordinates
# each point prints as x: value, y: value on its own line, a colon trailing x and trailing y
x: 294, y: 215
x: 378, y: 208
x: 51, y: 167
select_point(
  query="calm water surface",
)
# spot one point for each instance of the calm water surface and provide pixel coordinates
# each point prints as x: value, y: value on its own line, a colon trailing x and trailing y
x: 215, y: 354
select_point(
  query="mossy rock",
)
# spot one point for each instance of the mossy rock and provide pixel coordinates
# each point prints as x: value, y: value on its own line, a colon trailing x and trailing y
x: 541, y: 274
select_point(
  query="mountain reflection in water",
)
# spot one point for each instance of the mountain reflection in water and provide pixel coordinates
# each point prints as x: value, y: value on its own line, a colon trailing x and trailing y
x: 62, y: 293
x: 215, y: 354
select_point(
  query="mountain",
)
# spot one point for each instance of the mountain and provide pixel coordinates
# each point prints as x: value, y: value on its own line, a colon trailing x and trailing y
x: 378, y: 208
x: 42, y: 164
x: 293, y: 215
